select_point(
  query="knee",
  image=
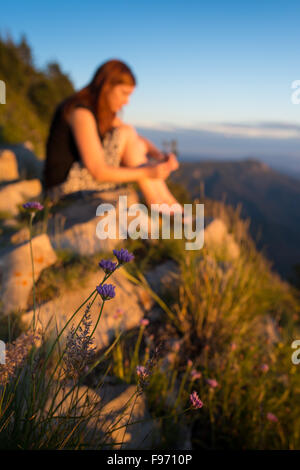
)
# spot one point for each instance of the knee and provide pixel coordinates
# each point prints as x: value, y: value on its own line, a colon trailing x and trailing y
x: 132, y: 137
x: 143, y: 145
x: 134, y: 150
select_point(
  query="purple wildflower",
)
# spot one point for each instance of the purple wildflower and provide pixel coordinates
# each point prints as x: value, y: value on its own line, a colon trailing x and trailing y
x: 107, y: 291
x: 195, y: 400
x: 264, y: 367
x: 195, y: 374
x: 271, y: 417
x: 142, y: 371
x: 145, y: 372
x: 212, y: 383
x: 16, y: 354
x: 144, y: 322
x: 118, y: 313
x: 33, y: 206
x: 79, y: 347
x: 123, y: 256
x: 107, y: 266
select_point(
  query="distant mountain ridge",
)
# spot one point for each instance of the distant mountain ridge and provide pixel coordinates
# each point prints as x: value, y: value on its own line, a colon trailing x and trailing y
x: 271, y: 199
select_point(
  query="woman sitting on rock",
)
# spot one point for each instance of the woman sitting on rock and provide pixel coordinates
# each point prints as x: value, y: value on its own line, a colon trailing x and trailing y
x: 90, y: 148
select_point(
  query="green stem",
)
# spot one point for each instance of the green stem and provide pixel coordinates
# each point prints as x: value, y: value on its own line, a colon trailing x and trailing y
x: 32, y: 267
x: 68, y: 322
x: 128, y: 420
x: 61, y: 332
x: 136, y: 351
x: 98, y: 319
x: 183, y: 381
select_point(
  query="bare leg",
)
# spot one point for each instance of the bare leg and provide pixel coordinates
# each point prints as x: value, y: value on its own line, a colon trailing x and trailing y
x: 155, y: 191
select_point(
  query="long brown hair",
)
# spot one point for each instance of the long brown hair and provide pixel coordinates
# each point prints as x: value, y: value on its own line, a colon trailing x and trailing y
x: 111, y: 73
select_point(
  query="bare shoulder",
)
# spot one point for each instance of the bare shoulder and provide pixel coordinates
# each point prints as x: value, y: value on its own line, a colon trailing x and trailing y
x: 79, y: 114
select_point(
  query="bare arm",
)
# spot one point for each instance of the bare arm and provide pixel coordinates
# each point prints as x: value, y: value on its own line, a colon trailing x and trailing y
x: 84, y: 128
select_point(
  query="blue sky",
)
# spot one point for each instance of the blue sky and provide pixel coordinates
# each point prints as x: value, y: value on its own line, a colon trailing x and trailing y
x: 224, y: 68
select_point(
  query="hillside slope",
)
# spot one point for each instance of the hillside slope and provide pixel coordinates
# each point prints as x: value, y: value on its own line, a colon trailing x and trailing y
x: 269, y: 198
x: 31, y: 95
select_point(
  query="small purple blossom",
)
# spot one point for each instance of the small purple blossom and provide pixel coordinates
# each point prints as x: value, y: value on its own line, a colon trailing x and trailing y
x: 79, y: 347
x: 142, y: 372
x: 16, y: 354
x: 212, y: 383
x: 264, y: 367
x: 33, y: 206
x: 195, y: 400
x: 118, y: 313
x: 106, y: 291
x: 107, y: 266
x: 195, y: 374
x: 271, y: 417
x: 144, y: 322
x: 123, y: 255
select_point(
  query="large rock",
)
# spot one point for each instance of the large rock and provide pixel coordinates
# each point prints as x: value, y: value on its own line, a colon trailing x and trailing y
x: 131, y: 299
x: 29, y: 166
x: 16, y: 272
x: 120, y: 412
x: 14, y: 194
x: 81, y: 238
x: 217, y: 238
x: 74, y: 227
x: 164, y: 277
x: 108, y: 410
x: 8, y: 166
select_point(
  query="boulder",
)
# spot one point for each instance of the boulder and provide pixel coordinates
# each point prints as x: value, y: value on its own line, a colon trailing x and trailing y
x: 81, y: 238
x: 16, y: 272
x: 75, y: 227
x: 132, y: 300
x: 14, y: 194
x: 20, y: 236
x: 29, y: 166
x: 124, y: 410
x: 217, y: 238
x: 8, y: 166
x: 108, y: 410
x: 164, y: 277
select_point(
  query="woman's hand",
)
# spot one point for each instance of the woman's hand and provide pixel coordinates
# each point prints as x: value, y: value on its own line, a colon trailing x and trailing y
x: 163, y: 157
x: 157, y: 155
x: 171, y: 157
x: 163, y: 169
